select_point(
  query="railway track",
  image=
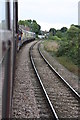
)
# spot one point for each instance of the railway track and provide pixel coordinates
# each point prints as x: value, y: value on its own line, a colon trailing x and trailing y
x: 42, y: 104
x: 45, y: 111
x: 62, y: 98
x: 29, y: 100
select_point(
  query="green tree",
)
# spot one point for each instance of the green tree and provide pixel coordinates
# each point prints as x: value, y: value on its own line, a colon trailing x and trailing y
x: 53, y: 31
x: 59, y: 33
x: 70, y: 46
x: 33, y: 25
x: 63, y: 29
x: 21, y: 22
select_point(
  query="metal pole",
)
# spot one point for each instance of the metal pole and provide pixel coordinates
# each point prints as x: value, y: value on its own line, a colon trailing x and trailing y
x: 15, y: 33
x: 7, y: 65
x: 6, y: 86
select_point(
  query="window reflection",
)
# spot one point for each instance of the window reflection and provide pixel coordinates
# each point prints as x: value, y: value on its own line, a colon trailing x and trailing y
x: 11, y: 8
x: 2, y: 15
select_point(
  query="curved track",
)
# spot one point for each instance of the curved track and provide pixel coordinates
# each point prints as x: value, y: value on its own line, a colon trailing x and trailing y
x: 58, y: 75
x: 41, y: 84
x: 62, y: 98
x: 29, y: 100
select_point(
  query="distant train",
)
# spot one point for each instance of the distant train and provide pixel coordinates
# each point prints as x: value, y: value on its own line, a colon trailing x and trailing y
x: 9, y: 41
x: 25, y: 36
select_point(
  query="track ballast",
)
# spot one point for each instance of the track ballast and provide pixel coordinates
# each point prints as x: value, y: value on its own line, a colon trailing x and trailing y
x: 64, y: 102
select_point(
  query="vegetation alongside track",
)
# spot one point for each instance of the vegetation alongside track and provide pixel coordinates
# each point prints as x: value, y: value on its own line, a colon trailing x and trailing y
x: 63, y: 45
x: 32, y: 24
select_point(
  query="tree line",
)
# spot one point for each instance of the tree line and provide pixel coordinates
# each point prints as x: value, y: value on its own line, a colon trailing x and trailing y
x: 68, y: 39
x: 32, y: 24
x: 69, y: 42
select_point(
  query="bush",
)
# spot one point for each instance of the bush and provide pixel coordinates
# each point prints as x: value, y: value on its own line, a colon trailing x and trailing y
x: 64, y: 38
x: 56, y: 38
x: 63, y: 49
x: 51, y: 37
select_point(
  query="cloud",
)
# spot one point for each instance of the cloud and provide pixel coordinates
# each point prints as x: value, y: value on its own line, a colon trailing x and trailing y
x: 47, y: 26
x: 50, y: 11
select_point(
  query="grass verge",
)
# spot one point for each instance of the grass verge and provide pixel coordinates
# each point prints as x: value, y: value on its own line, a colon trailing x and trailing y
x: 51, y: 47
x: 66, y: 62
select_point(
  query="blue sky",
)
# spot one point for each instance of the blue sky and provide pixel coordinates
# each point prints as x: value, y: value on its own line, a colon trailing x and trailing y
x: 50, y: 13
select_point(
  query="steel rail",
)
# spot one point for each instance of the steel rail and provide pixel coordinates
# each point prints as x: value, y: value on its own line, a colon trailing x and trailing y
x: 40, y: 81
x: 53, y: 69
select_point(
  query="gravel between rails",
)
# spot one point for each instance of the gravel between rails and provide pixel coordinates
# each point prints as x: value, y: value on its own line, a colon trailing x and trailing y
x: 72, y: 79
x: 43, y: 106
x: 28, y: 98
x: 65, y: 104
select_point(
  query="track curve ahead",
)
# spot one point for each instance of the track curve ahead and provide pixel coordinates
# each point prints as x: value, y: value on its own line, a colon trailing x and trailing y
x: 61, y: 97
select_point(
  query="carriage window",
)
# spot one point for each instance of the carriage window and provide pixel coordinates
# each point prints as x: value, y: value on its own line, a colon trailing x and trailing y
x: 11, y: 9
x: 2, y: 24
x: 2, y: 15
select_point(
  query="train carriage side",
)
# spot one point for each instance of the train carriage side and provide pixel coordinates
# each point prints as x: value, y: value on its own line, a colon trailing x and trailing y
x: 9, y: 32
x: 10, y: 39
x: 26, y: 36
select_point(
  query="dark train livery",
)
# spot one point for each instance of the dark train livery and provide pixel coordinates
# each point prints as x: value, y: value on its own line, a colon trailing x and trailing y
x: 10, y: 43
